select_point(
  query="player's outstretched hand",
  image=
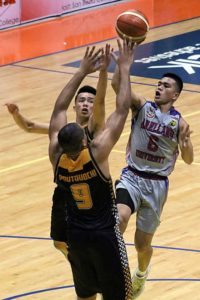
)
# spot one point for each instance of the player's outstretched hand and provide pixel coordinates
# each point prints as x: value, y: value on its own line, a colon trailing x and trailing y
x: 105, y: 58
x: 126, y: 52
x: 12, y: 108
x: 90, y: 61
x: 185, y: 136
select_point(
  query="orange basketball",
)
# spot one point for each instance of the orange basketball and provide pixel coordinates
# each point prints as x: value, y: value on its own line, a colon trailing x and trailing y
x: 132, y: 24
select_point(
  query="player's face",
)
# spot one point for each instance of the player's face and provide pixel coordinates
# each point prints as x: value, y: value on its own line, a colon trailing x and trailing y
x: 84, y: 105
x: 166, y: 91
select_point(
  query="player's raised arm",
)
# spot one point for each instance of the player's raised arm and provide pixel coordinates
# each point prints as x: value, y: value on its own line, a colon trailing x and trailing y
x: 89, y: 64
x: 136, y: 100
x: 115, y: 123
x: 25, y: 123
x: 97, y: 120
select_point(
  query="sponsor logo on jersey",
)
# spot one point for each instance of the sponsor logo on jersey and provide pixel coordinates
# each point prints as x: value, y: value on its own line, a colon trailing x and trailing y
x: 151, y: 112
x: 173, y: 123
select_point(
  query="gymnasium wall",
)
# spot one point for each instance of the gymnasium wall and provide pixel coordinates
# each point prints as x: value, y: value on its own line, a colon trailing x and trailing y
x: 84, y: 26
x: 17, y: 12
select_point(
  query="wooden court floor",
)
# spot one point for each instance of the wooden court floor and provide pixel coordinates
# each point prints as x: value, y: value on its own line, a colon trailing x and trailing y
x: 30, y: 267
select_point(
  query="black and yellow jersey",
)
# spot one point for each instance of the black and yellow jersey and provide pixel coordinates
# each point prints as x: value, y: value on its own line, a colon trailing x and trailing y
x: 89, y: 195
x: 89, y: 135
x: 59, y: 195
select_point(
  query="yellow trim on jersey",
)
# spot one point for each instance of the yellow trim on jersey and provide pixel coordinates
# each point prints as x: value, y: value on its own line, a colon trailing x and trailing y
x: 74, y: 165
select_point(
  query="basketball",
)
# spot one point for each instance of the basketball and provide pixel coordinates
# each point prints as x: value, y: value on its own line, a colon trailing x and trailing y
x: 132, y: 24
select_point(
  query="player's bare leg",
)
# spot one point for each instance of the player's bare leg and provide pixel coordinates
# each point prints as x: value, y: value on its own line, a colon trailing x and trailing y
x: 89, y: 298
x: 61, y: 246
x: 144, y: 249
x: 124, y: 216
x: 144, y: 252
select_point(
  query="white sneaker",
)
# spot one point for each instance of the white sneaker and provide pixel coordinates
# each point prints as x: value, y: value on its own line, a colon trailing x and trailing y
x: 138, y: 284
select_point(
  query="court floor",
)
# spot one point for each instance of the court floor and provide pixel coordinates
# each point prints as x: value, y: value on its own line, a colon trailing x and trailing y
x: 30, y: 266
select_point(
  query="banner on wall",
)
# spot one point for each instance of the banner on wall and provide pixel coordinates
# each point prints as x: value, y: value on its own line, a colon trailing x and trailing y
x: 14, y: 12
x: 37, y: 9
x: 73, y: 5
x: 10, y: 13
x: 44, y: 8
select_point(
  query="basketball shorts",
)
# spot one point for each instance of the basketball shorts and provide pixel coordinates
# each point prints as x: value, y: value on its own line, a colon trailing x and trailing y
x: 99, y: 263
x: 58, y: 216
x: 148, y: 196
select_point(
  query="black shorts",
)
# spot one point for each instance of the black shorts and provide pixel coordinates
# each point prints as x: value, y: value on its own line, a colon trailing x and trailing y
x: 58, y: 216
x: 99, y: 264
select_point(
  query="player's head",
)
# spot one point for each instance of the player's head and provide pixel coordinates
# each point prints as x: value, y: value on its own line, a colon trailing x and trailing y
x: 84, y: 101
x: 86, y: 89
x: 178, y: 81
x: 71, y: 139
x: 168, y: 89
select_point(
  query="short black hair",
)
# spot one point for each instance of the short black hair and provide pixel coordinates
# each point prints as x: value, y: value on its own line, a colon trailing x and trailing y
x: 70, y: 138
x: 86, y: 89
x: 179, y: 81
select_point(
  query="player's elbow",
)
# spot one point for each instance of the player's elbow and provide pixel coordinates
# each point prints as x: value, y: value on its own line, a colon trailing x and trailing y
x: 28, y: 129
x: 188, y: 159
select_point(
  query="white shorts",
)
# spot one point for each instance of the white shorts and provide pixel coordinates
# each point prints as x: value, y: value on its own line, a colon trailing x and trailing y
x: 148, y: 195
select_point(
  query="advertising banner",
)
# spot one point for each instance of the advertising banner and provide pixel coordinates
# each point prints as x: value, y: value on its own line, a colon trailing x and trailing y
x: 10, y: 13
x: 37, y: 9
x: 14, y: 12
x: 73, y: 5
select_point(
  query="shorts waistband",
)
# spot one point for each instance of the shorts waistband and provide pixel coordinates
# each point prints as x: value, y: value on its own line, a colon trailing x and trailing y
x: 147, y: 175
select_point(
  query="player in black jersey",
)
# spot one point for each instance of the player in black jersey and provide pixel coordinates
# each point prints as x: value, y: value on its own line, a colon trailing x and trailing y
x: 96, y: 250
x: 85, y: 106
x: 90, y: 114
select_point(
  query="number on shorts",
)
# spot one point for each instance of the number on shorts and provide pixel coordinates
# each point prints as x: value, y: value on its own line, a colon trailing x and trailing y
x: 81, y: 194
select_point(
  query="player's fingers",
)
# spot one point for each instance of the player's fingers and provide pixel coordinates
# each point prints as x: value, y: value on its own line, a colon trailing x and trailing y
x: 86, y: 52
x: 97, y: 53
x: 107, y: 49
x: 119, y: 45
x: 91, y: 51
x: 114, y: 56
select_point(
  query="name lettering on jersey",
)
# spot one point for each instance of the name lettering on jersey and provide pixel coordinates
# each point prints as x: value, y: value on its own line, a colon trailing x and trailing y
x: 162, y: 129
x: 150, y: 157
x: 77, y: 178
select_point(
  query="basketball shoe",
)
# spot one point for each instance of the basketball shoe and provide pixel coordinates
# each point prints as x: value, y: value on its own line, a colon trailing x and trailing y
x: 138, y: 284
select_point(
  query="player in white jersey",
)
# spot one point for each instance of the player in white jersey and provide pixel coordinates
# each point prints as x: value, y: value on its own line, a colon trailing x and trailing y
x: 158, y: 133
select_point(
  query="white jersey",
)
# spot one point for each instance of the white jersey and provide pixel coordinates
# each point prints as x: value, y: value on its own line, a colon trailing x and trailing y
x: 154, y: 140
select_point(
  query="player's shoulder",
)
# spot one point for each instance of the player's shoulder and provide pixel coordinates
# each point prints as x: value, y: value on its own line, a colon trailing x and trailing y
x: 174, y: 112
x: 183, y: 122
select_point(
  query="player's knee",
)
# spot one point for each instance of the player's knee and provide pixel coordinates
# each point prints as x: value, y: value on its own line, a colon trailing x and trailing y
x: 125, y: 207
x: 60, y: 245
x: 57, y: 244
x: 143, y: 244
x: 142, y: 247
x: 124, y: 215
